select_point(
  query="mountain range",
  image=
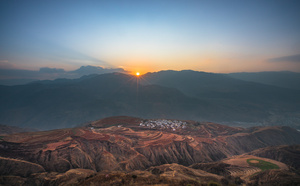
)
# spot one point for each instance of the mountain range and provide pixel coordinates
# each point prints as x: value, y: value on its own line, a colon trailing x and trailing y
x: 283, y: 79
x: 185, y: 95
x: 20, y: 77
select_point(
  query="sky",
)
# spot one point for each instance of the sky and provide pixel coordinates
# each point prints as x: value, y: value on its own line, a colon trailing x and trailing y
x: 151, y: 35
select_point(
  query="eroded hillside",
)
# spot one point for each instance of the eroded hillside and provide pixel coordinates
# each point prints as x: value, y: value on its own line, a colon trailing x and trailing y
x: 131, y: 144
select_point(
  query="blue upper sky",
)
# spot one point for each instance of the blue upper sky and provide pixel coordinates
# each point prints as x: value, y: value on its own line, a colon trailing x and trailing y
x: 206, y: 35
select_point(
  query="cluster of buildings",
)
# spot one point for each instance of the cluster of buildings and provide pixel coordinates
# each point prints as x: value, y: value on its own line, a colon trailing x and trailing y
x: 164, y: 124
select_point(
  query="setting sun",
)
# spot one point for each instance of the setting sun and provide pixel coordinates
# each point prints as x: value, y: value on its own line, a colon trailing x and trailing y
x: 137, y: 74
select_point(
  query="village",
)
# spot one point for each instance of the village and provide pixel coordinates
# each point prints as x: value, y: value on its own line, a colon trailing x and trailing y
x: 164, y: 124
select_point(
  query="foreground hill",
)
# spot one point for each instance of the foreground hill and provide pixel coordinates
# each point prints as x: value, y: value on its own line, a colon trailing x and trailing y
x: 122, y: 145
x: 288, y: 154
x: 189, y: 95
x: 251, y: 170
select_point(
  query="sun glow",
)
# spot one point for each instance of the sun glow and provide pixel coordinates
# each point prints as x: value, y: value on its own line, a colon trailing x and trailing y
x: 137, y: 74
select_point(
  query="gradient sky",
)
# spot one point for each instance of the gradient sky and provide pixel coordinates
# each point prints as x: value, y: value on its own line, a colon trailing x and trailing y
x: 204, y: 35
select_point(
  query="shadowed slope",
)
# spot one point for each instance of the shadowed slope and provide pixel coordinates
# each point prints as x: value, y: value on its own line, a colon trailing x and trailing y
x: 168, y: 94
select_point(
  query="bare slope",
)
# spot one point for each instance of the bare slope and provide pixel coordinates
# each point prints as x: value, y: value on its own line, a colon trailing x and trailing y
x: 136, y: 147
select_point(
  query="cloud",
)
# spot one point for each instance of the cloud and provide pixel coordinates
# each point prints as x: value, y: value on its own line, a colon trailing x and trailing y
x: 291, y: 58
x: 44, y: 50
x: 87, y: 70
x: 4, y: 64
x: 51, y: 70
x: 50, y: 73
x: 64, y: 54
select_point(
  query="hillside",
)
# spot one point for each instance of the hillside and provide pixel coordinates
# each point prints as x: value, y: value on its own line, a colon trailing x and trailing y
x: 131, y: 144
x: 5, y: 129
x: 68, y: 103
x: 187, y: 95
x: 283, y: 79
x: 289, y: 155
x: 251, y: 170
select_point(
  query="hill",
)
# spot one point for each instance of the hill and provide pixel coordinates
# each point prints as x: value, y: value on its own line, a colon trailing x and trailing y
x: 234, y: 100
x: 288, y: 154
x: 5, y: 129
x: 139, y: 150
x: 251, y: 170
x: 283, y: 79
x: 58, y: 104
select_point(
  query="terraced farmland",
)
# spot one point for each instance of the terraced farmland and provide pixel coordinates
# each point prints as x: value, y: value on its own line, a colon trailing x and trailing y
x: 261, y: 164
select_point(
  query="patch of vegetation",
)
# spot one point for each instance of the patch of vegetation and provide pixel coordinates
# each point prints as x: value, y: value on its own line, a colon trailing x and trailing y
x: 1, y: 137
x: 134, y: 176
x: 212, y: 183
x: 263, y: 165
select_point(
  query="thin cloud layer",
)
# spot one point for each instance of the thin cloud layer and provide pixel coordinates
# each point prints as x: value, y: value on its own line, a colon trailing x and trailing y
x: 291, y: 58
x: 51, y: 70
x: 4, y: 64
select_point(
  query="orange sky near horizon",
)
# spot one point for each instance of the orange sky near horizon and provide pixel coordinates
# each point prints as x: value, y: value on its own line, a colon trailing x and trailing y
x: 148, y: 36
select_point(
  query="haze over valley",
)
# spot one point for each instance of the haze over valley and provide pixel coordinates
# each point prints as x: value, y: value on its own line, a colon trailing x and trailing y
x: 188, y: 95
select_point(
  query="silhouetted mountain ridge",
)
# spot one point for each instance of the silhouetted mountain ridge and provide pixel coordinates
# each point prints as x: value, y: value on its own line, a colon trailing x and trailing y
x: 167, y: 94
x: 285, y: 79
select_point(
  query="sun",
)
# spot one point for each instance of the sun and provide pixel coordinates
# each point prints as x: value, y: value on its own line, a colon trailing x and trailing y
x: 137, y: 74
